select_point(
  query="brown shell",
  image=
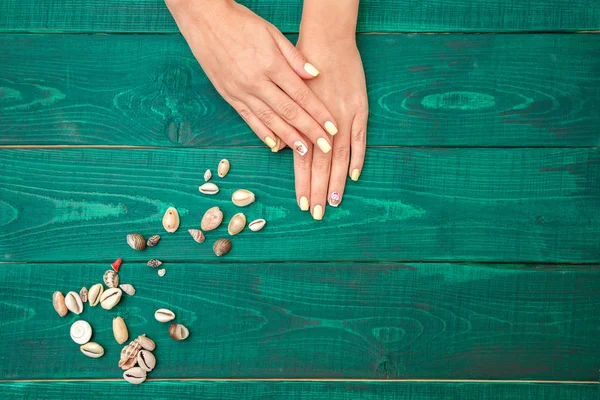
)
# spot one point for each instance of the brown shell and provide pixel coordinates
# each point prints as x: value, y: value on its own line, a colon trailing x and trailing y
x: 212, y: 219
x: 222, y: 247
x: 153, y: 241
x: 154, y: 263
x: 111, y: 278
x: 197, y: 235
x: 136, y: 241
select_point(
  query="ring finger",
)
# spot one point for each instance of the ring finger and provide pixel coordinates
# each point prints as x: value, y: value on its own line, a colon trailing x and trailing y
x: 302, y: 172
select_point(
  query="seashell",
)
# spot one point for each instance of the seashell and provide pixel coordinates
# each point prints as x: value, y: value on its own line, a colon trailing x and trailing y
x: 95, y: 293
x: 83, y: 294
x: 153, y: 241
x: 221, y: 247
x: 129, y: 354
x: 164, y: 315
x: 136, y: 241
x: 154, y: 263
x: 58, y: 302
x: 120, y: 331
x: 81, y: 332
x: 171, y: 220
x: 197, y: 235
x: 179, y: 332
x: 223, y: 168
x: 207, y: 175
x: 74, y: 303
x: 162, y: 272
x: 111, y: 278
x: 212, y: 219
x: 209, y: 188
x: 130, y: 363
x: 146, y: 360
x: 135, y: 375
x: 146, y: 342
x: 237, y: 224
x: 242, y: 197
x: 92, y: 350
x: 127, y: 288
x: 110, y: 298
x: 116, y: 264
x: 257, y: 225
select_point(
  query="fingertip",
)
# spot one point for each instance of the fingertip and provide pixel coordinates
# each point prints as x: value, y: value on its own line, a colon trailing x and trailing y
x: 311, y: 70
x: 355, y: 174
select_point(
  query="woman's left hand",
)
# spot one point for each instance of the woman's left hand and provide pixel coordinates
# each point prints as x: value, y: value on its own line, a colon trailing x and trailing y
x: 321, y: 177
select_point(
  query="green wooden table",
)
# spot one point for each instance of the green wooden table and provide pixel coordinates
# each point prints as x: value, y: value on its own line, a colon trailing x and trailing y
x: 465, y: 264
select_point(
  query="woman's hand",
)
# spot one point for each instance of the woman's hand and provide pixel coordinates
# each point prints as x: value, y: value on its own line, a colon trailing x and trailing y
x: 256, y: 70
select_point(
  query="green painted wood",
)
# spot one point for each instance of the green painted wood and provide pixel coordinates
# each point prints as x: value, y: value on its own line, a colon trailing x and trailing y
x: 425, y: 90
x: 323, y: 320
x: 257, y: 390
x: 509, y: 205
x: 375, y: 15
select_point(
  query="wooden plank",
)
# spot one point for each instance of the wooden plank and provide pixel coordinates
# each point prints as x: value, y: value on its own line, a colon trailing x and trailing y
x: 258, y: 390
x: 508, y: 205
x: 323, y: 320
x: 425, y: 90
x: 375, y: 15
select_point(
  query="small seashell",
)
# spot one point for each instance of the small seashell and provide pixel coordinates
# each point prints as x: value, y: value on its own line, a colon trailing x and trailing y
x: 92, y: 350
x: 135, y: 375
x: 129, y: 363
x: 171, y: 220
x: 209, y: 188
x: 81, y: 332
x: 197, y: 235
x: 207, y: 175
x: 129, y: 354
x: 58, y: 302
x: 154, y: 263
x: 74, y: 303
x: 212, y: 219
x: 223, y: 168
x: 83, y: 294
x: 162, y: 272
x: 164, y: 315
x: 146, y: 342
x: 136, y: 241
x: 237, y: 224
x: 146, y: 360
x: 95, y: 293
x: 179, y: 332
x: 120, y: 331
x: 257, y: 225
x: 242, y: 197
x: 111, y: 278
x: 153, y: 241
x: 116, y: 264
x: 110, y: 298
x: 127, y: 288
x: 221, y: 247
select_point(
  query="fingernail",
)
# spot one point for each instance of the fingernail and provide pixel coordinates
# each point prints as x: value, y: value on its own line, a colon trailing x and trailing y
x: 335, y: 199
x: 300, y: 147
x: 308, y: 67
x: 324, y: 145
x: 304, y: 203
x: 270, y: 142
x: 318, y: 213
x: 275, y: 148
x: 355, y: 174
x: 331, y: 128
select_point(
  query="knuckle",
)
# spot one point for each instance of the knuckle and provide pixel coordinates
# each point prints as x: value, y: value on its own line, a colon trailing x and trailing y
x: 303, y: 163
x: 359, y: 135
x: 245, y: 114
x: 288, y: 110
x: 341, y: 154
x: 321, y: 164
x: 302, y: 96
x: 266, y: 116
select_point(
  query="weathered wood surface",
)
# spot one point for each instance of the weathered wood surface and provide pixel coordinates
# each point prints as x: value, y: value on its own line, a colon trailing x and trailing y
x: 425, y: 90
x: 509, y: 205
x: 375, y: 15
x: 303, y: 320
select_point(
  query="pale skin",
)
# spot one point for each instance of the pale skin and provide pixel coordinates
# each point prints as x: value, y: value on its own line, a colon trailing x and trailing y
x: 311, y: 97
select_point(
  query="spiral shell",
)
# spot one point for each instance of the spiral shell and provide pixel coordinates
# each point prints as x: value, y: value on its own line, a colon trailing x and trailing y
x: 83, y: 294
x: 111, y: 278
x: 153, y: 241
x: 207, y: 175
x: 154, y: 263
x: 136, y: 241
x: 129, y: 353
x: 171, y: 220
x: 81, y: 332
x: 197, y: 235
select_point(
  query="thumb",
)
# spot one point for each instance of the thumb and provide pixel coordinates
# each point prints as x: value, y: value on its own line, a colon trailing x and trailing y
x: 295, y: 58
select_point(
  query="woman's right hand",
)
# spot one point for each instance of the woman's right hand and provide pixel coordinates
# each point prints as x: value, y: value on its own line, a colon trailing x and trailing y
x: 256, y: 70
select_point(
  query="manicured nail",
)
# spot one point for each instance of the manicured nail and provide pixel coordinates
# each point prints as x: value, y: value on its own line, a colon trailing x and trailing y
x: 318, y: 213
x: 270, y: 142
x: 331, y: 128
x: 300, y: 147
x: 324, y: 145
x: 335, y: 199
x: 275, y: 148
x: 355, y: 174
x: 304, y: 203
x: 308, y: 67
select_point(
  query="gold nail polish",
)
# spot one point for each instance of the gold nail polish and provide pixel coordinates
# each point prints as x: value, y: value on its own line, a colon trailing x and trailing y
x: 275, y: 148
x: 355, y: 174
x: 331, y: 128
x: 304, y: 206
x: 308, y: 67
x: 270, y: 142
x: 324, y: 145
x: 318, y: 213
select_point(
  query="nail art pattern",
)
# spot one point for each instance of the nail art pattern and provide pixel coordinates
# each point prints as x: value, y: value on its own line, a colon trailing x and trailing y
x: 334, y: 199
x: 300, y: 147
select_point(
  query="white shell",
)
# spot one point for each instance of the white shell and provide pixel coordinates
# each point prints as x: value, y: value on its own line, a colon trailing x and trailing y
x: 135, y: 375
x: 243, y: 198
x: 237, y: 224
x: 74, y: 303
x: 146, y: 360
x: 110, y: 298
x: 207, y: 175
x: 223, y: 168
x: 127, y: 288
x: 164, y: 315
x: 120, y: 331
x: 257, y: 225
x: 162, y: 272
x: 81, y: 332
x: 92, y: 350
x: 171, y: 220
x: 94, y: 294
x: 209, y: 188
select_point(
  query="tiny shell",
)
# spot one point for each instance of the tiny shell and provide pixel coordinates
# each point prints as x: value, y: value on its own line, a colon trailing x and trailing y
x: 129, y: 354
x: 146, y: 342
x: 207, y: 175
x: 209, y: 188
x: 223, y: 168
x: 136, y: 241
x: 257, y: 225
x: 111, y: 278
x: 92, y: 350
x: 153, y: 241
x: 154, y: 263
x: 237, y: 224
x: 221, y: 247
x: 243, y: 197
x: 83, y: 294
x: 127, y: 288
x: 74, y: 303
x: 120, y: 331
x: 135, y: 375
x: 164, y: 315
x: 197, y: 235
x: 110, y: 298
x: 94, y: 294
x: 212, y: 219
x: 58, y: 302
x: 146, y: 360
x: 116, y: 264
x: 162, y: 272
x: 81, y: 332
x: 179, y: 332
x: 171, y: 220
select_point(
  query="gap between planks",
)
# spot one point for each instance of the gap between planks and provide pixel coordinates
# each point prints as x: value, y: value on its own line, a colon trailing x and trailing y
x: 118, y: 147
x: 143, y: 33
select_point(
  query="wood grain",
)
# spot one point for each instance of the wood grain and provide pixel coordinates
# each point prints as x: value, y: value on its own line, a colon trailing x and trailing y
x: 425, y: 90
x: 508, y: 205
x: 252, y: 390
x: 304, y: 320
x: 375, y: 15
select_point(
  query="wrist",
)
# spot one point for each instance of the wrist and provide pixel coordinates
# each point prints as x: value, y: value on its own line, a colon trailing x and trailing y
x: 204, y: 6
